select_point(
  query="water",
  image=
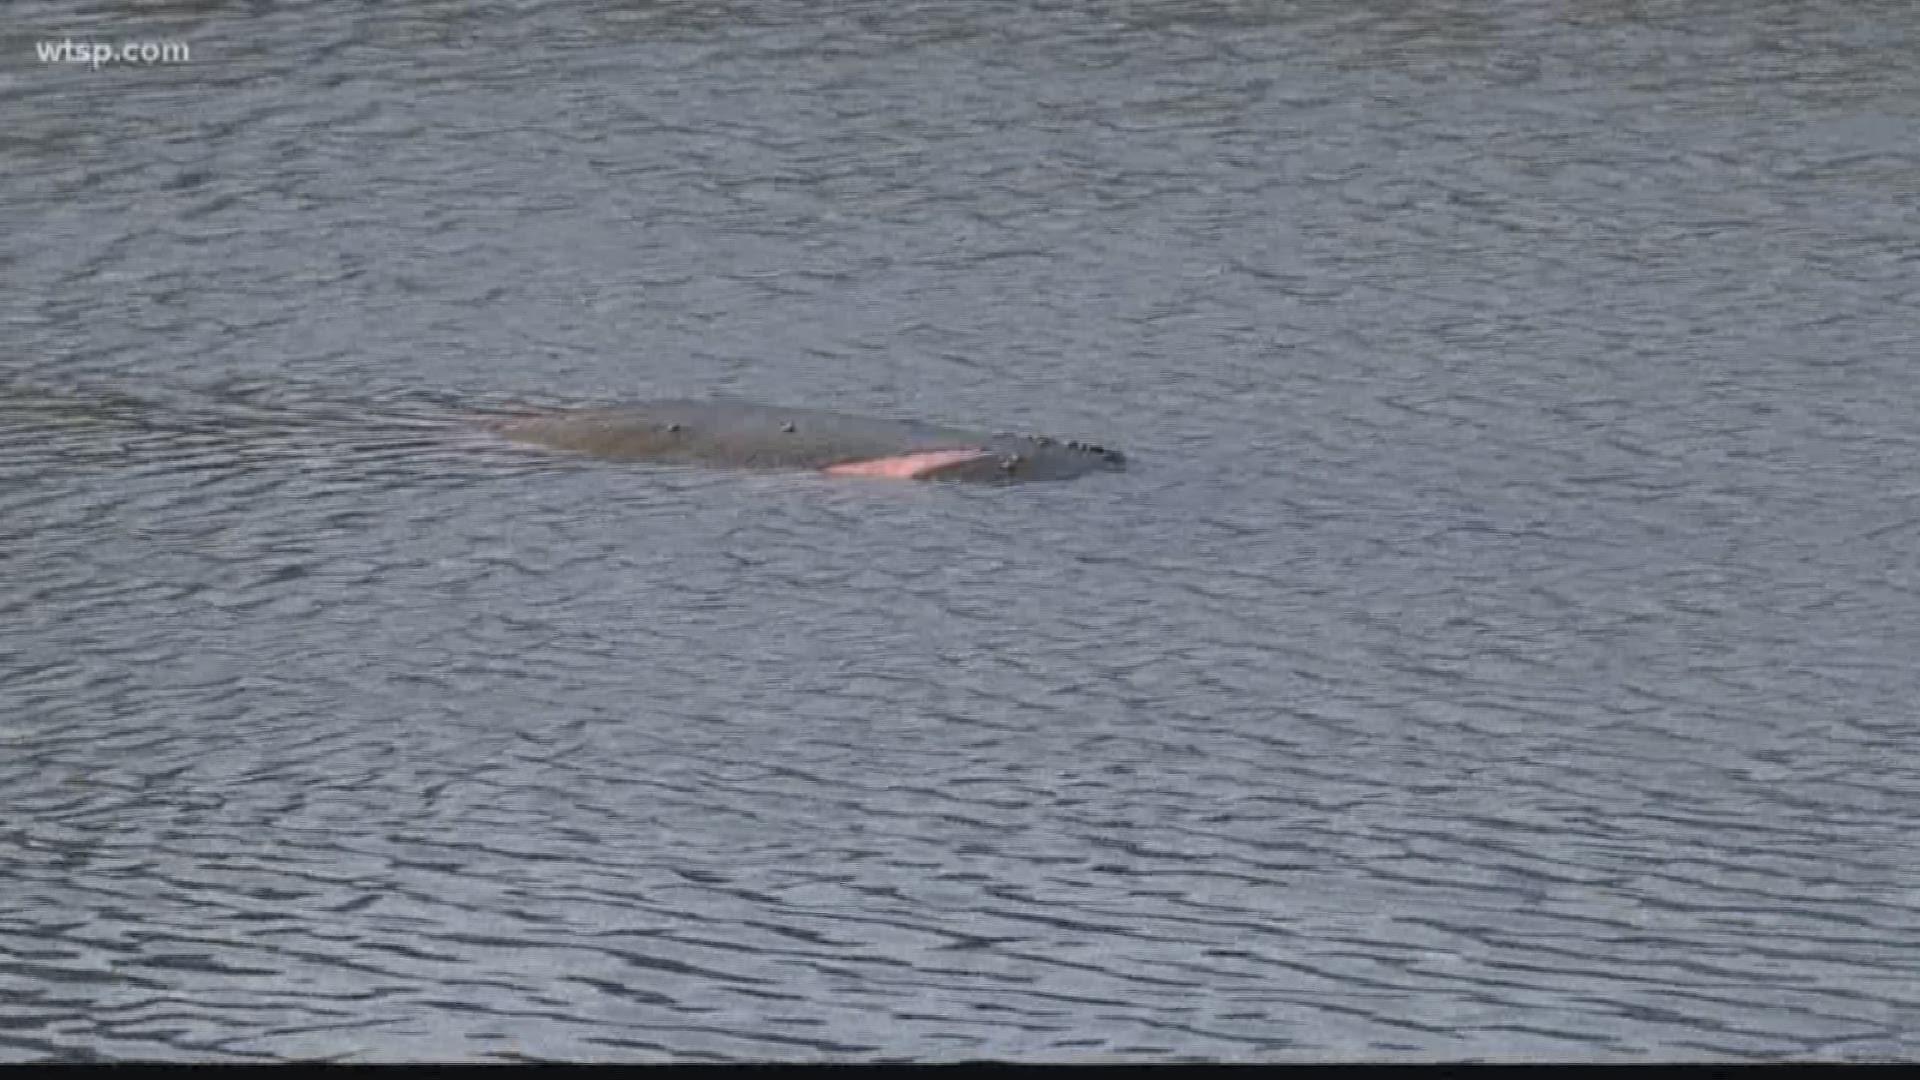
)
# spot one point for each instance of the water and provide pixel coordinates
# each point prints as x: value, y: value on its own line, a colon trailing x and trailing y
x: 1502, y: 646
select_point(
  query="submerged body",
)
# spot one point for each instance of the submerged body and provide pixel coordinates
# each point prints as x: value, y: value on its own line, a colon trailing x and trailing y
x: 742, y: 435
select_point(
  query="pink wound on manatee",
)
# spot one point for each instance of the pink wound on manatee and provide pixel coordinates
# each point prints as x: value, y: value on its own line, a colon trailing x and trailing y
x: 907, y: 466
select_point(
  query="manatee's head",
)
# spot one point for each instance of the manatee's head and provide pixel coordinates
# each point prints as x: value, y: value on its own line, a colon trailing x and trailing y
x: 1032, y: 457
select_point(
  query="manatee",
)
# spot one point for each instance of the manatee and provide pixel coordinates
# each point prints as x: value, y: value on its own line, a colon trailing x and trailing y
x: 748, y: 436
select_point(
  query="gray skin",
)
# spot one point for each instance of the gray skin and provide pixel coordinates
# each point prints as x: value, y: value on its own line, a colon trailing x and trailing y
x: 742, y: 435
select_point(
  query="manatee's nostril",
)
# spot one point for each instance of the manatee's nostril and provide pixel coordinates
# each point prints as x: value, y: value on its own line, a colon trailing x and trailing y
x: 788, y: 426
x: 673, y: 427
x: 1010, y: 463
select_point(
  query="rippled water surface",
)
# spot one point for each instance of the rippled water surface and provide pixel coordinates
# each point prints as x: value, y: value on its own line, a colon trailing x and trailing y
x: 1502, y: 646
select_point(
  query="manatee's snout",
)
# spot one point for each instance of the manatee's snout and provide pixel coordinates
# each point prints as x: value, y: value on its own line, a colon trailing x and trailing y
x: 1074, y: 456
x: 1028, y: 457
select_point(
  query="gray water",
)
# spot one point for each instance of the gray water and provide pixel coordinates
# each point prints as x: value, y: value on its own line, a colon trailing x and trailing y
x: 1503, y: 645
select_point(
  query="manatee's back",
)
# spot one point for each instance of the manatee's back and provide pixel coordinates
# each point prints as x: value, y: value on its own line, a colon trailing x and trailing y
x: 735, y: 434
